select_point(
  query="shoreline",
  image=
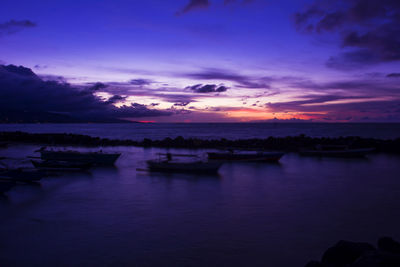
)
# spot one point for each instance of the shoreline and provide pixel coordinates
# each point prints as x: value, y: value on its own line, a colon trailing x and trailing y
x: 287, y: 144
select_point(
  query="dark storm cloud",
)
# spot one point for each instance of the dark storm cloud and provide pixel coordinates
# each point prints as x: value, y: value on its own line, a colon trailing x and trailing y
x: 22, y: 90
x: 23, y: 72
x: 13, y: 26
x: 194, y: 4
x: 370, y: 29
x: 208, y: 88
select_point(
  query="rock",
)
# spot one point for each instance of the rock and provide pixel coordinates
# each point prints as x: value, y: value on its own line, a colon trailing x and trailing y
x: 378, y: 259
x: 345, y: 252
x: 313, y: 264
x: 389, y: 245
x: 369, y: 259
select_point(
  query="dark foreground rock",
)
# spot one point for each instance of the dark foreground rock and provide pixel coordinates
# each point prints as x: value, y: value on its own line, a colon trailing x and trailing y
x: 389, y: 245
x: 345, y: 252
x: 290, y: 143
x: 356, y: 254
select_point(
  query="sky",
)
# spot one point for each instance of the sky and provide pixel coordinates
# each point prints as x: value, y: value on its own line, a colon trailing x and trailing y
x: 201, y: 60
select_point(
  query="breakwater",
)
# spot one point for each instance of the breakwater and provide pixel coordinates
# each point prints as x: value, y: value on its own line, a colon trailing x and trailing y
x: 360, y: 254
x: 289, y: 143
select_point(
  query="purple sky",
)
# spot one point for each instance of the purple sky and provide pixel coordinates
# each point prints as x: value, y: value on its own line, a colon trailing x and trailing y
x: 203, y: 60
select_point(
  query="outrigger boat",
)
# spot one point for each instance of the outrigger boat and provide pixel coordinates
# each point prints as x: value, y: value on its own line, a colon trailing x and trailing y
x: 52, y: 165
x: 166, y: 164
x: 336, y: 151
x: 232, y: 155
x: 96, y: 158
x: 20, y: 174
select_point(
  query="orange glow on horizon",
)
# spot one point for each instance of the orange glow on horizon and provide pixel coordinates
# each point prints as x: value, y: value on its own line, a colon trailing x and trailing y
x: 248, y: 114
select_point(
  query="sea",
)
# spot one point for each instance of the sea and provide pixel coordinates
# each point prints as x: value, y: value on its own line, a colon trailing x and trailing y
x: 231, y: 131
x: 249, y: 214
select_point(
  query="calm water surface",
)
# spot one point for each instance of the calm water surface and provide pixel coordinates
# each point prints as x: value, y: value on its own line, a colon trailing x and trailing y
x: 249, y: 215
x: 157, y: 131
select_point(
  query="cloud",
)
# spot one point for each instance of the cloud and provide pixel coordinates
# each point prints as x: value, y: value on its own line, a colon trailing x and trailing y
x: 372, y: 87
x: 203, y: 4
x: 49, y: 77
x: 13, y: 26
x: 345, y: 101
x: 217, y: 74
x: 393, y: 75
x: 228, y: 2
x: 182, y: 104
x: 20, y: 71
x: 140, y: 82
x: 352, y: 60
x: 175, y: 98
x: 116, y: 99
x: 367, y: 110
x: 98, y: 86
x: 39, y: 67
x: 373, y: 96
x: 225, y: 75
x: 193, y: 5
x: 369, y: 29
x: 208, y: 88
x: 22, y: 92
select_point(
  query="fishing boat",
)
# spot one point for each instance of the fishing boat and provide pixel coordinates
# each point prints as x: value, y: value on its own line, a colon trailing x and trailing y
x: 166, y: 163
x: 96, y: 158
x: 336, y: 151
x: 232, y: 155
x: 53, y: 165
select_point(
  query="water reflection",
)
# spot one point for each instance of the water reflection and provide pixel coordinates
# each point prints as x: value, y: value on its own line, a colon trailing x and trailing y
x: 249, y: 214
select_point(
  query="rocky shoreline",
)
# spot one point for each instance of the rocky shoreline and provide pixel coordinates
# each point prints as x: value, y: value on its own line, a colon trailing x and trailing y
x: 360, y: 254
x: 288, y: 144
